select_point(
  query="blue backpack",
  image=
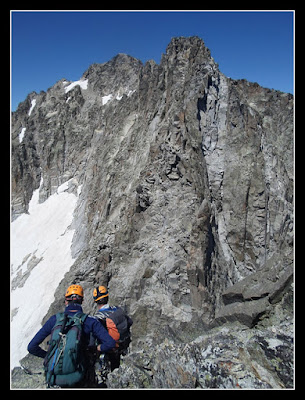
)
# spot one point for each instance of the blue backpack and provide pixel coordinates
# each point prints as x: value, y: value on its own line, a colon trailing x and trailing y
x: 64, y: 362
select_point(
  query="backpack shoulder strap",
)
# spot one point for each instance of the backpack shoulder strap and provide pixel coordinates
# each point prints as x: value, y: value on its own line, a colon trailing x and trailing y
x: 78, y: 318
x: 60, y: 321
x: 59, y: 317
x: 81, y: 316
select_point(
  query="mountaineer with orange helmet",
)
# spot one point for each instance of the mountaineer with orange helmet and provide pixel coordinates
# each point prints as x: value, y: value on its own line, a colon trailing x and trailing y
x: 118, y: 324
x: 70, y: 325
x: 74, y: 294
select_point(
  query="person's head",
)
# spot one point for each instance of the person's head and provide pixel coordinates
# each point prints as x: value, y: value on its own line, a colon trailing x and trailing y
x: 74, y: 295
x: 101, y: 295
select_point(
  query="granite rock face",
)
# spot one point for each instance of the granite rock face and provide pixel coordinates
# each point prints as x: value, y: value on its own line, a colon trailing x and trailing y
x: 185, y: 209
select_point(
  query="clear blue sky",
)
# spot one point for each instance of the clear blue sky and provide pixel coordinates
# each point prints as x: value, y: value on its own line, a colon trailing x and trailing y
x: 49, y: 46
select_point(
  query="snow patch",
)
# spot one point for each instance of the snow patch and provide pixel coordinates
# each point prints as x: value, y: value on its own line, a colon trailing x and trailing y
x: 33, y: 104
x: 21, y: 134
x: 40, y: 255
x: 130, y: 92
x: 83, y: 83
x: 118, y: 97
x: 105, y: 99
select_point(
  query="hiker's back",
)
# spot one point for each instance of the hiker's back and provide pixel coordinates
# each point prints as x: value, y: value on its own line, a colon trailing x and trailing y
x: 65, y: 360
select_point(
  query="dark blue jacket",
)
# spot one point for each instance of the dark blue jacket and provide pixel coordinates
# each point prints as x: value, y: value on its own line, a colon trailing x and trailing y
x: 90, y: 325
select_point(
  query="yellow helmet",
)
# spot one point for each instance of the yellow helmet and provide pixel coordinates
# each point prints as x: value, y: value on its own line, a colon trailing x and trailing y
x: 74, y: 290
x: 100, y: 292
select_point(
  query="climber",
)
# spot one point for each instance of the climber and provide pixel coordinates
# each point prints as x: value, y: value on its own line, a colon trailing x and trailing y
x: 118, y: 324
x: 73, y: 316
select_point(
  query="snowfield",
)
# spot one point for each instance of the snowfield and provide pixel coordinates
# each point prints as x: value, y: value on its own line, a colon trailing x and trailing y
x: 40, y: 257
x: 105, y: 99
x: 83, y: 83
x: 33, y: 104
x: 119, y: 96
x: 21, y: 134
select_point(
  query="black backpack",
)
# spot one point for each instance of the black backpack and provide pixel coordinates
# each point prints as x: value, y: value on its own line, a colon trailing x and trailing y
x: 122, y: 323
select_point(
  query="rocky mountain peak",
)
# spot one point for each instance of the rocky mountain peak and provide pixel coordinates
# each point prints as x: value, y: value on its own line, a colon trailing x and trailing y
x: 187, y: 51
x: 179, y: 45
x: 180, y: 185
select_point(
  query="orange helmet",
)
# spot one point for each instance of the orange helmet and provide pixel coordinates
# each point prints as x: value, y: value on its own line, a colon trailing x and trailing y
x: 74, y: 291
x: 100, y: 292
